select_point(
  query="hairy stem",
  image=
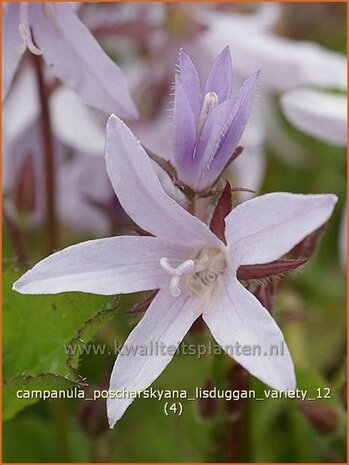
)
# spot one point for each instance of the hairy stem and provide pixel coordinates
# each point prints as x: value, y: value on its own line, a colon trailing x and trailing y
x: 49, y: 158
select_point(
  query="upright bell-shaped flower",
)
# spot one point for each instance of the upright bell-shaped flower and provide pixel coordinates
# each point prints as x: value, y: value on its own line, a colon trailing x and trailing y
x: 54, y: 31
x: 208, y: 124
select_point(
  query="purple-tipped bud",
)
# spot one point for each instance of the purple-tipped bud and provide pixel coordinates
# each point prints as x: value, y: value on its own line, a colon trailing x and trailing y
x: 208, y: 125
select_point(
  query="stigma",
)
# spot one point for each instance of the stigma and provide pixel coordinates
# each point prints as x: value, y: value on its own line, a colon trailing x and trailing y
x: 199, y: 275
x: 25, y: 32
x: 184, y: 268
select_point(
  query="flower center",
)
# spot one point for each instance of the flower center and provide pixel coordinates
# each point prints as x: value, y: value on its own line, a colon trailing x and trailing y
x: 201, y: 274
x: 210, y: 102
x: 25, y: 32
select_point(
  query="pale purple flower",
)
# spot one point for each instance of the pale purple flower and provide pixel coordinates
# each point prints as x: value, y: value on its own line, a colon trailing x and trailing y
x: 286, y: 63
x: 54, y: 31
x: 86, y: 201
x: 22, y: 157
x: 322, y: 115
x: 194, y: 270
x: 76, y: 124
x: 208, y: 124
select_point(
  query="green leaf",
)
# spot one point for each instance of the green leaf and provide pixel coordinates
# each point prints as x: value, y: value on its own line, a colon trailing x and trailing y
x: 43, y: 338
x: 15, y: 391
x: 84, y: 335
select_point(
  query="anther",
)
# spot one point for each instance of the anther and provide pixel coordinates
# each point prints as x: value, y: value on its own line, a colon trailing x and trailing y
x: 210, y: 102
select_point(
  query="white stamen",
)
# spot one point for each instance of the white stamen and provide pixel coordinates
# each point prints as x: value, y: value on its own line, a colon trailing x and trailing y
x: 210, y: 102
x: 183, y: 269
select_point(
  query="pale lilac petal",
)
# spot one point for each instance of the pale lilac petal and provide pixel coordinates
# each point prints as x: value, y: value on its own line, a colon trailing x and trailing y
x: 249, y: 168
x: 215, y: 164
x: 164, y: 324
x: 210, y: 138
x: 78, y: 60
x: 240, y: 319
x: 184, y: 137
x: 286, y: 63
x: 189, y: 79
x: 17, y: 115
x: 115, y: 265
x: 220, y: 78
x: 10, y: 45
x: 320, y: 114
x: 237, y: 125
x: 22, y: 145
x: 83, y: 183
x: 75, y: 123
x: 267, y: 227
x: 263, y: 18
x: 141, y: 194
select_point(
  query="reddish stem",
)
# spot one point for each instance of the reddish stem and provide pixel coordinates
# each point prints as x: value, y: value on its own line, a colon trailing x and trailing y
x: 238, y: 427
x: 49, y: 159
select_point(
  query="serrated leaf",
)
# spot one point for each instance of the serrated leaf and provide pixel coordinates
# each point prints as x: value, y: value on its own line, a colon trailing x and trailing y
x: 84, y: 335
x: 38, y: 331
x: 37, y: 328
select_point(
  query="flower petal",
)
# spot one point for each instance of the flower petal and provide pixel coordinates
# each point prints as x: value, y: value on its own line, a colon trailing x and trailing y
x: 75, y: 123
x: 189, y: 79
x: 320, y: 114
x: 265, y: 228
x: 213, y: 131
x: 286, y: 63
x: 108, y: 266
x: 249, y: 171
x: 10, y: 45
x: 141, y: 194
x: 233, y: 130
x: 184, y: 136
x: 83, y: 190
x: 149, y: 348
x: 18, y: 117
x: 239, y: 319
x: 220, y: 78
x: 237, y: 125
x: 77, y: 59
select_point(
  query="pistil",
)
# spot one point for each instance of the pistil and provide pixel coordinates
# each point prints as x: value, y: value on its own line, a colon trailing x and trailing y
x: 183, y: 269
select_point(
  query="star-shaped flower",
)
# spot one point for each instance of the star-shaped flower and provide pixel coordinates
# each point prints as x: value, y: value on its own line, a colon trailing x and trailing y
x: 54, y: 31
x: 195, y: 271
